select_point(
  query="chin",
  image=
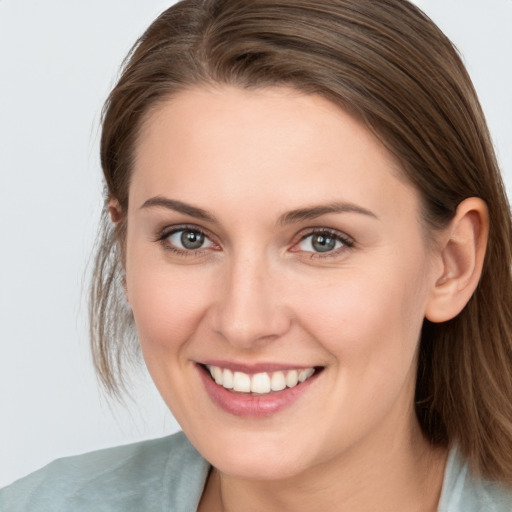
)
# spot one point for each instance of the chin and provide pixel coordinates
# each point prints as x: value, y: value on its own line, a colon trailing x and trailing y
x: 257, y: 457
x: 261, y: 468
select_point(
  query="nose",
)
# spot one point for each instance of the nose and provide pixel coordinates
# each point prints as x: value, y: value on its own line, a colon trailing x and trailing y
x: 250, y: 310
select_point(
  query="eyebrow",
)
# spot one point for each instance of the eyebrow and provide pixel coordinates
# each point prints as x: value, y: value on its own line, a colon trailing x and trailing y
x: 312, y: 212
x: 179, y: 206
x: 291, y: 217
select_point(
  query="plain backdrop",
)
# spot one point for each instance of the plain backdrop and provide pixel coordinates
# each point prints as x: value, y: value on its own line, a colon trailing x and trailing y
x: 58, y: 60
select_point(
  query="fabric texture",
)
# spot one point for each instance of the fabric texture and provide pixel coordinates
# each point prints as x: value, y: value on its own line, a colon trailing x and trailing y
x: 161, y: 475
x: 464, y: 493
x: 168, y: 475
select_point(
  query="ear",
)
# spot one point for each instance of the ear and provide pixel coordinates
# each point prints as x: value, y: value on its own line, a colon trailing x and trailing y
x: 461, y: 254
x: 115, y: 211
x: 116, y: 215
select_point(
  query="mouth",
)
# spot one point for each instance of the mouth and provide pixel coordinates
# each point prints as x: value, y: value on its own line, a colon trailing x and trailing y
x: 255, y: 393
x: 261, y: 383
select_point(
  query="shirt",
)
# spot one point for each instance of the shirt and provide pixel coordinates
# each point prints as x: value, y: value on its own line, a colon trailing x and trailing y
x: 169, y: 475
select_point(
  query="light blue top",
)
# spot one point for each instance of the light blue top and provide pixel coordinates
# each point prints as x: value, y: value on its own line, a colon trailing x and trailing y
x: 168, y: 475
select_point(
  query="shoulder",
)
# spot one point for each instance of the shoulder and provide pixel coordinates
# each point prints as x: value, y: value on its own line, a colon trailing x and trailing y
x: 162, y: 474
x: 463, y: 492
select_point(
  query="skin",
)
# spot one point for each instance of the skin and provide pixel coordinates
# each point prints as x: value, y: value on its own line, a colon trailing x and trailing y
x: 258, y: 292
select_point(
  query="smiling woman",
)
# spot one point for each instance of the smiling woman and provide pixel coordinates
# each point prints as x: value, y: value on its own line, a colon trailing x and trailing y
x: 306, y: 227
x: 259, y: 302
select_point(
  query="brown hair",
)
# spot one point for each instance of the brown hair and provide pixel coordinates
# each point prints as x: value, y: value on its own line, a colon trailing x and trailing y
x: 387, y: 64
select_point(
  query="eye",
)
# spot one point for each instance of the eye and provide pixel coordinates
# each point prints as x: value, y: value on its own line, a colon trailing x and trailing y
x: 323, y: 242
x: 186, y: 239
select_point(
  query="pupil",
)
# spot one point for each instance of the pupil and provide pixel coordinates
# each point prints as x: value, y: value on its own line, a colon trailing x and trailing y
x: 323, y: 243
x: 192, y: 239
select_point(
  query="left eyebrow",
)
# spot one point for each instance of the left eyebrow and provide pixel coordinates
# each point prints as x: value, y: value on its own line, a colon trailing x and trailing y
x: 312, y: 212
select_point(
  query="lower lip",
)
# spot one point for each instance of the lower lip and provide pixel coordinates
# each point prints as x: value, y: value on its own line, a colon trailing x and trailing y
x: 253, y: 406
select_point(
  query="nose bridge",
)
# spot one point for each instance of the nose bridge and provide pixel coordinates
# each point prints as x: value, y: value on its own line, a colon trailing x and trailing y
x: 249, y: 309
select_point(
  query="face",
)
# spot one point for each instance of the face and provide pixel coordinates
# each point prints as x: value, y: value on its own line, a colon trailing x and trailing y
x: 272, y: 244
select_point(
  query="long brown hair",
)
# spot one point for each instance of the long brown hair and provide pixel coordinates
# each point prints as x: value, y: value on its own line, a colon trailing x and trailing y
x: 386, y: 63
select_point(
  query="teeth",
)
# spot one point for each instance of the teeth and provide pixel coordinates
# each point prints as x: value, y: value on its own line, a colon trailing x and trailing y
x: 260, y: 383
x: 217, y: 375
x: 292, y: 378
x: 278, y: 381
x: 241, y: 382
x: 305, y: 374
x: 227, y: 379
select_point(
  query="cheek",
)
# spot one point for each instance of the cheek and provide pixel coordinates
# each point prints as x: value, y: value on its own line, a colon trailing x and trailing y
x: 167, y: 305
x: 369, y: 318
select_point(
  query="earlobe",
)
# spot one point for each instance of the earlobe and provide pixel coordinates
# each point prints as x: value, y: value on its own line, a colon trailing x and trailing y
x: 114, y: 210
x: 462, y: 254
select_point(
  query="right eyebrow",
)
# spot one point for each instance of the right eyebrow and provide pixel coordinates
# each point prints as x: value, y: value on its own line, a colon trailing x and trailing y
x: 180, y: 207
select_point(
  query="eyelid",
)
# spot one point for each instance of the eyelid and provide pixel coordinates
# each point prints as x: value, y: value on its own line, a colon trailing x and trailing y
x: 164, y: 234
x: 163, y: 238
x: 347, y: 241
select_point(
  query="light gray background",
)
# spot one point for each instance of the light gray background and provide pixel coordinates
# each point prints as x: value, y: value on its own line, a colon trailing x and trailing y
x: 58, y: 60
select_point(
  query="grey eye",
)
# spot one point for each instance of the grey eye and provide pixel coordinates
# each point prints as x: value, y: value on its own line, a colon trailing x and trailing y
x: 189, y: 239
x: 192, y: 239
x: 320, y: 242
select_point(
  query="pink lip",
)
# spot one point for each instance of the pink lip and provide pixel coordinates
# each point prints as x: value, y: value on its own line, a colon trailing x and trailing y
x: 253, y: 368
x: 252, y: 406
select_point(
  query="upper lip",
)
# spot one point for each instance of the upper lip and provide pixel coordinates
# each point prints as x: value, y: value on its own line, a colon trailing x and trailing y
x: 252, y: 368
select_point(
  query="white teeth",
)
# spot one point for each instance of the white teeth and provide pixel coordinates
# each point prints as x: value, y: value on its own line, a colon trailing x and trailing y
x: 217, y: 374
x: 241, y: 382
x: 292, y: 378
x: 278, y: 381
x: 305, y: 374
x: 227, y: 378
x: 261, y: 383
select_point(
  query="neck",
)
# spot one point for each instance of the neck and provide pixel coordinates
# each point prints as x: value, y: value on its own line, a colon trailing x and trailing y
x: 388, y: 476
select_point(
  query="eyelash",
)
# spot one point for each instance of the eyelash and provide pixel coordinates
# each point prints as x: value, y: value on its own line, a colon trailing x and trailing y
x: 163, y: 239
x: 346, y: 241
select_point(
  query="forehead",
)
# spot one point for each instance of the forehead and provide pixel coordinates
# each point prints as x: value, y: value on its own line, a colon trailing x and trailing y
x: 274, y: 144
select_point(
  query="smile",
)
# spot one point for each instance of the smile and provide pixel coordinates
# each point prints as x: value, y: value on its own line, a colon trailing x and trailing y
x: 259, y: 383
x: 260, y: 391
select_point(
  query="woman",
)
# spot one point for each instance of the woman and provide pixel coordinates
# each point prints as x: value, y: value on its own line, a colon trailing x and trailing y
x: 306, y: 224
